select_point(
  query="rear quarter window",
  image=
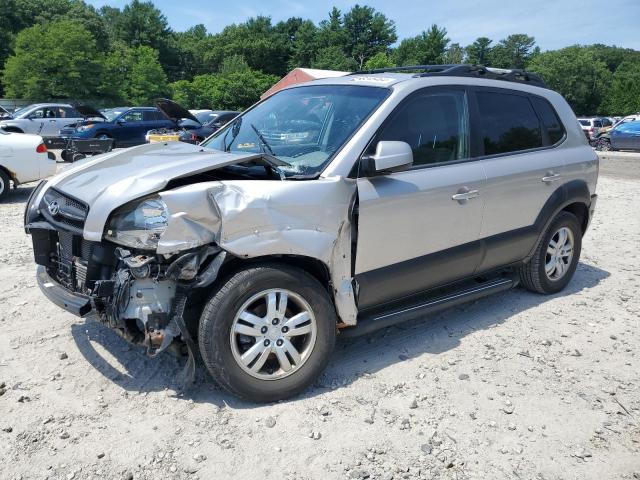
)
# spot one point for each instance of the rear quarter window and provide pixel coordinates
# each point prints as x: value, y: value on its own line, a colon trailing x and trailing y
x: 508, y: 123
x: 550, y: 120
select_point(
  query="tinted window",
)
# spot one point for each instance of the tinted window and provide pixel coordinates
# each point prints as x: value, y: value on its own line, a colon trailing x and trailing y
x: 508, y: 123
x: 150, y: 115
x: 68, y: 112
x: 550, y: 119
x: 585, y: 123
x: 435, y: 125
x: 597, y: 123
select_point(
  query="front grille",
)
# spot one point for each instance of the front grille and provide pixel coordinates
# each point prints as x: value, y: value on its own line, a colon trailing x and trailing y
x: 70, y: 261
x: 64, y: 211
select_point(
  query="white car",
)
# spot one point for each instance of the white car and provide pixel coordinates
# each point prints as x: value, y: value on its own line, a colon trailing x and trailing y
x: 23, y: 158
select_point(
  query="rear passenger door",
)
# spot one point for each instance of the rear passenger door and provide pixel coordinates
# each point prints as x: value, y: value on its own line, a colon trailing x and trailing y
x: 415, y: 231
x: 516, y: 131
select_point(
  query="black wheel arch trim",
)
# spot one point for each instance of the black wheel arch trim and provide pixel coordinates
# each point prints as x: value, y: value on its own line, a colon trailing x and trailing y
x: 575, y: 191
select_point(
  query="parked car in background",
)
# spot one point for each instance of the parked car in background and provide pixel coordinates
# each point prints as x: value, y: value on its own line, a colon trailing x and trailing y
x: 45, y: 119
x: 23, y: 158
x: 624, y: 136
x: 192, y: 126
x: 628, y: 118
x: 346, y: 203
x: 4, y: 113
x: 126, y: 126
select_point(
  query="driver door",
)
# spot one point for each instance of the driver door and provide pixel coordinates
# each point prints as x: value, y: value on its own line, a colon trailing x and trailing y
x: 419, y: 228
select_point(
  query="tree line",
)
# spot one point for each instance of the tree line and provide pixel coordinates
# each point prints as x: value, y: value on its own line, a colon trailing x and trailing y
x: 69, y: 49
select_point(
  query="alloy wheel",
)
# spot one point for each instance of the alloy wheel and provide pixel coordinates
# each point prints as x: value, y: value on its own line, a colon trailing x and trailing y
x: 273, y: 334
x: 559, y: 254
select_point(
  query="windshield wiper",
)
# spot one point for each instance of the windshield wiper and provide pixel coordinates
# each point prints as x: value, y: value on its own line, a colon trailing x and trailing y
x: 263, y: 141
x: 270, y: 158
x: 235, y: 129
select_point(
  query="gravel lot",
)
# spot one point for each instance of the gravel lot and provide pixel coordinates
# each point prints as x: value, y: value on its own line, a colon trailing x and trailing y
x: 516, y: 386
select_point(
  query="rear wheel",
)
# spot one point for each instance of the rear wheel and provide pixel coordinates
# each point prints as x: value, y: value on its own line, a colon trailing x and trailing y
x: 268, y: 332
x: 4, y: 185
x: 556, y: 257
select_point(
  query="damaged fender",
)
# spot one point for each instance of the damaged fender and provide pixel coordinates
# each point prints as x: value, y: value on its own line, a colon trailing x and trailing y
x: 251, y: 219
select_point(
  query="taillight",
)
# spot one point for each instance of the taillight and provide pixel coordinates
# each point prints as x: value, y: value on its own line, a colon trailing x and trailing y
x: 42, y: 148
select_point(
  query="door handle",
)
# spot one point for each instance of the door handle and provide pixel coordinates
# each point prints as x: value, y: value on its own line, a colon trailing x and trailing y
x: 553, y: 177
x: 464, y: 194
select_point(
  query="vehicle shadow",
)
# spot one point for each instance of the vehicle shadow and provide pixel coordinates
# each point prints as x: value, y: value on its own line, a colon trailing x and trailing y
x: 18, y: 195
x: 352, y: 358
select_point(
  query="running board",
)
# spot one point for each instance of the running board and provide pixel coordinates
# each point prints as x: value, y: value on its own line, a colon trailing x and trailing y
x: 375, y: 321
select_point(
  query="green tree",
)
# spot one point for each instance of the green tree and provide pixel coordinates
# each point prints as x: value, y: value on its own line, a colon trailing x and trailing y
x: 368, y: 32
x: 428, y: 48
x: 55, y: 60
x: 333, y: 58
x: 576, y: 73
x: 234, y: 64
x: 379, y: 60
x: 231, y: 91
x: 479, y: 52
x: 134, y: 75
x: 305, y: 46
x: 623, y: 97
x: 189, y: 49
x: 515, y: 51
x: 454, y: 54
x: 263, y: 47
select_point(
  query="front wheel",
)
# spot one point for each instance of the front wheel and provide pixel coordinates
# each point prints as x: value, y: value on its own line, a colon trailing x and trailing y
x: 604, y: 145
x: 268, y: 332
x: 556, y: 257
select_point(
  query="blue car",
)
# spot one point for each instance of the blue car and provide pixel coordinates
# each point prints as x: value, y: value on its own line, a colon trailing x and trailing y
x: 126, y: 126
x: 623, y: 136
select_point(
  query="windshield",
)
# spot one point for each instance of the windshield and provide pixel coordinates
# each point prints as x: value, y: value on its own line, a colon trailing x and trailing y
x: 21, y: 111
x: 111, y: 113
x: 206, y: 117
x: 302, y: 126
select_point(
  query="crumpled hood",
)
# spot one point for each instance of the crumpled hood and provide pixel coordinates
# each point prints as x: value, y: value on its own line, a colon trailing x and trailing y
x: 108, y: 181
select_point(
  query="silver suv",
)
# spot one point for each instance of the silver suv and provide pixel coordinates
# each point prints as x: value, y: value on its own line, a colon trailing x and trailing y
x: 329, y: 209
x: 44, y: 119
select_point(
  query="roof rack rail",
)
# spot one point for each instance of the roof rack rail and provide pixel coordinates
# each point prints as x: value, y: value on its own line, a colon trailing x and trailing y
x: 458, y: 70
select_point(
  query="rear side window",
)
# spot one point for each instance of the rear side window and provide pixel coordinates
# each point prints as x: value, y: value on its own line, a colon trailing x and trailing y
x: 434, y: 124
x: 549, y: 118
x: 150, y: 115
x: 508, y: 123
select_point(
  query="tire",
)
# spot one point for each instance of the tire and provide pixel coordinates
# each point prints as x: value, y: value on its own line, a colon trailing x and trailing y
x: 534, y: 276
x: 220, y: 347
x: 5, y: 185
x: 604, y: 145
x: 104, y: 136
x: 77, y: 157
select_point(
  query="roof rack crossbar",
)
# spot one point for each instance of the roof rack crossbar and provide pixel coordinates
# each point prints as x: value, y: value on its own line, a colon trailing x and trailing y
x: 462, y: 70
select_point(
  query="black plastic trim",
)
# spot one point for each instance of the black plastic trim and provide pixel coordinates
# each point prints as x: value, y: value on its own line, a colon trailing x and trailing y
x: 382, y: 319
x: 79, y: 305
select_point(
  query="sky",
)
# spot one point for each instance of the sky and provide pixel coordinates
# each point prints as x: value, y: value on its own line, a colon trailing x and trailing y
x: 553, y: 23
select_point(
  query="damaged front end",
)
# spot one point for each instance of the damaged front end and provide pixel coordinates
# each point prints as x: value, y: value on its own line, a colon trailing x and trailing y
x: 140, y: 294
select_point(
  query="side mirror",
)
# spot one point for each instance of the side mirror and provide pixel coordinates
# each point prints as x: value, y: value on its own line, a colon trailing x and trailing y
x: 389, y: 155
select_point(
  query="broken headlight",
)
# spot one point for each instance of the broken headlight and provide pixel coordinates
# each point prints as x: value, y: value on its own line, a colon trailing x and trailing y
x: 139, y: 224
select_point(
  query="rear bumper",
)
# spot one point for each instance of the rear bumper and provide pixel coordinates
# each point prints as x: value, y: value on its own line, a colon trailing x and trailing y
x: 79, y: 305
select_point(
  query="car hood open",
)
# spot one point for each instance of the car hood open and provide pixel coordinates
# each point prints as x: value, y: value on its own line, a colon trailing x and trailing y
x: 87, y: 111
x: 174, y: 111
x: 108, y: 181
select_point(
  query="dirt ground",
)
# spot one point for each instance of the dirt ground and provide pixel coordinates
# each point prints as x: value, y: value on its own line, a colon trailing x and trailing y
x: 516, y: 386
